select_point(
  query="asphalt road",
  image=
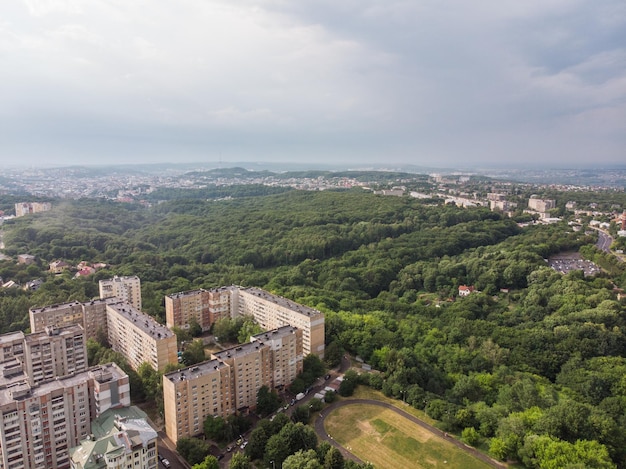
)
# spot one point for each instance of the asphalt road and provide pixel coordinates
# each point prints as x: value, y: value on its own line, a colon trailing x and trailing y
x: 604, y: 241
x: 321, y: 431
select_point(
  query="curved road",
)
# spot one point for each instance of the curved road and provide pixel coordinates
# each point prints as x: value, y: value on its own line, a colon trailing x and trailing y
x: 321, y: 431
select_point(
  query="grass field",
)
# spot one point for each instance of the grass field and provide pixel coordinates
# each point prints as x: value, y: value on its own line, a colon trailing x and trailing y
x: 389, y: 441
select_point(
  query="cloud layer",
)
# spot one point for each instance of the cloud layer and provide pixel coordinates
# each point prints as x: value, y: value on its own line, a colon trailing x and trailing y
x: 434, y: 82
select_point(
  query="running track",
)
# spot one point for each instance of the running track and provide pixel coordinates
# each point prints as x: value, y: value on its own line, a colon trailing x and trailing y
x: 321, y: 432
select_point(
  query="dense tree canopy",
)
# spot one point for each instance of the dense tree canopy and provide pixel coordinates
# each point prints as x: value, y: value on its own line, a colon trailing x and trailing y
x: 531, y: 363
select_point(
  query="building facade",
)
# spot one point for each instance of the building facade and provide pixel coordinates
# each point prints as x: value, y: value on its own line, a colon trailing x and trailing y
x: 269, y: 311
x: 205, y: 307
x: 25, y: 208
x: 139, y: 337
x: 134, y: 334
x: 230, y: 381
x: 57, y: 351
x: 124, y: 288
x: 38, y: 424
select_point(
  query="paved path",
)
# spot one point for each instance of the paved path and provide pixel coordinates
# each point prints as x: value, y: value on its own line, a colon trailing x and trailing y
x: 321, y: 431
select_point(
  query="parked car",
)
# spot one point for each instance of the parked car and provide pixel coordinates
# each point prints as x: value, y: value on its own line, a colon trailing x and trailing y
x: 165, y: 462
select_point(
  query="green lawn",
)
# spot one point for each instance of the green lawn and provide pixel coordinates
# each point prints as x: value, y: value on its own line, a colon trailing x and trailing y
x: 389, y: 441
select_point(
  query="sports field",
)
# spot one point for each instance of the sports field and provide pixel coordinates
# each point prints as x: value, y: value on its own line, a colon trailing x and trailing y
x: 389, y: 441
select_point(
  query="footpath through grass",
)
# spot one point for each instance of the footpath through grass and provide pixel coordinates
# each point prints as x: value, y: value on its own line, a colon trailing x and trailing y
x: 389, y: 441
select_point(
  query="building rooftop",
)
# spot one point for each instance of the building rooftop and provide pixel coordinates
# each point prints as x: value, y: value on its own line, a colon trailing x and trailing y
x: 239, y: 350
x: 141, y: 320
x: 183, y: 294
x: 70, y: 330
x: 279, y: 300
x: 19, y: 388
x: 60, y: 306
x: 11, y: 337
x: 279, y: 333
x: 195, y: 371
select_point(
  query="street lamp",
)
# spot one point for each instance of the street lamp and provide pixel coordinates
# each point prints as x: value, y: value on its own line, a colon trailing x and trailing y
x: 273, y: 465
x: 403, y: 396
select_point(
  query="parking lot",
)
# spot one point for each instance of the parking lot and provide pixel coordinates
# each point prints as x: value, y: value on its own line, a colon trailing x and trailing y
x: 570, y: 262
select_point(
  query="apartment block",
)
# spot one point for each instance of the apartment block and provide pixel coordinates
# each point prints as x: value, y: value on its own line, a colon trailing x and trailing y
x: 193, y: 393
x: 120, y: 438
x: 60, y: 315
x: 11, y: 345
x: 270, y: 311
x: 124, y: 288
x: 38, y: 424
x: 139, y: 337
x: 134, y: 334
x: 541, y: 205
x: 230, y: 381
x: 251, y: 368
x: 203, y: 306
x: 286, y: 354
x: 57, y: 351
x: 25, y: 208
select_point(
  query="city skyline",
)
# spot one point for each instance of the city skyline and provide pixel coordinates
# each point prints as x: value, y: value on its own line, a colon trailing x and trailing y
x: 430, y: 83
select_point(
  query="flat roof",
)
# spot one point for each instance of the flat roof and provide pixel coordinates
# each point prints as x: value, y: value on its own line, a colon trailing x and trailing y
x: 239, y: 350
x: 58, y: 383
x: 56, y: 307
x: 141, y: 320
x: 282, y: 331
x: 195, y: 371
x: 71, y: 329
x: 280, y: 301
x: 10, y: 337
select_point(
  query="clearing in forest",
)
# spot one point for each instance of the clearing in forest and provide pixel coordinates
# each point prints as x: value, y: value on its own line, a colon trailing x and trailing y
x: 389, y: 441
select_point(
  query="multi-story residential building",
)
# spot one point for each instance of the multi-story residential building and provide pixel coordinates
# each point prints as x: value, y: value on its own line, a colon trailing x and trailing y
x: 202, y: 306
x: 139, y: 337
x: 230, y: 381
x: 541, y: 205
x: 11, y: 345
x: 120, y: 438
x: 59, y: 315
x: 286, y: 354
x: 270, y: 311
x: 134, y: 334
x: 193, y: 393
x: 38, y: 424
x: 24, y: 208
x: 124, y: 288
x: 57, y: 351
x: 251, y: 368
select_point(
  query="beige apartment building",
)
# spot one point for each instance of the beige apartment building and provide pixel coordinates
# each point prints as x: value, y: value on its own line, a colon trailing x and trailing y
x: 123, y: 288
x: 202, y: 306
x: 38, y: 424
x: 230, y: 381
x: 193, y: 393
x: 25, y: 208
x: 56, y: 316
x: 541, y: 205
x: 134, y: 334
x: 11, y: 345
x: 57, y: 351
x: 140, y: 338
x: 270, y: 311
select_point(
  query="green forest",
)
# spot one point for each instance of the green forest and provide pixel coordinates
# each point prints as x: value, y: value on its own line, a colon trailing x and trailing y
x: 530, y: 367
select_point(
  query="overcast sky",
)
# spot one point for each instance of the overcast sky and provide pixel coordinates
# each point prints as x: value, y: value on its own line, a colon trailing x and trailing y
x: 427, y: 82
